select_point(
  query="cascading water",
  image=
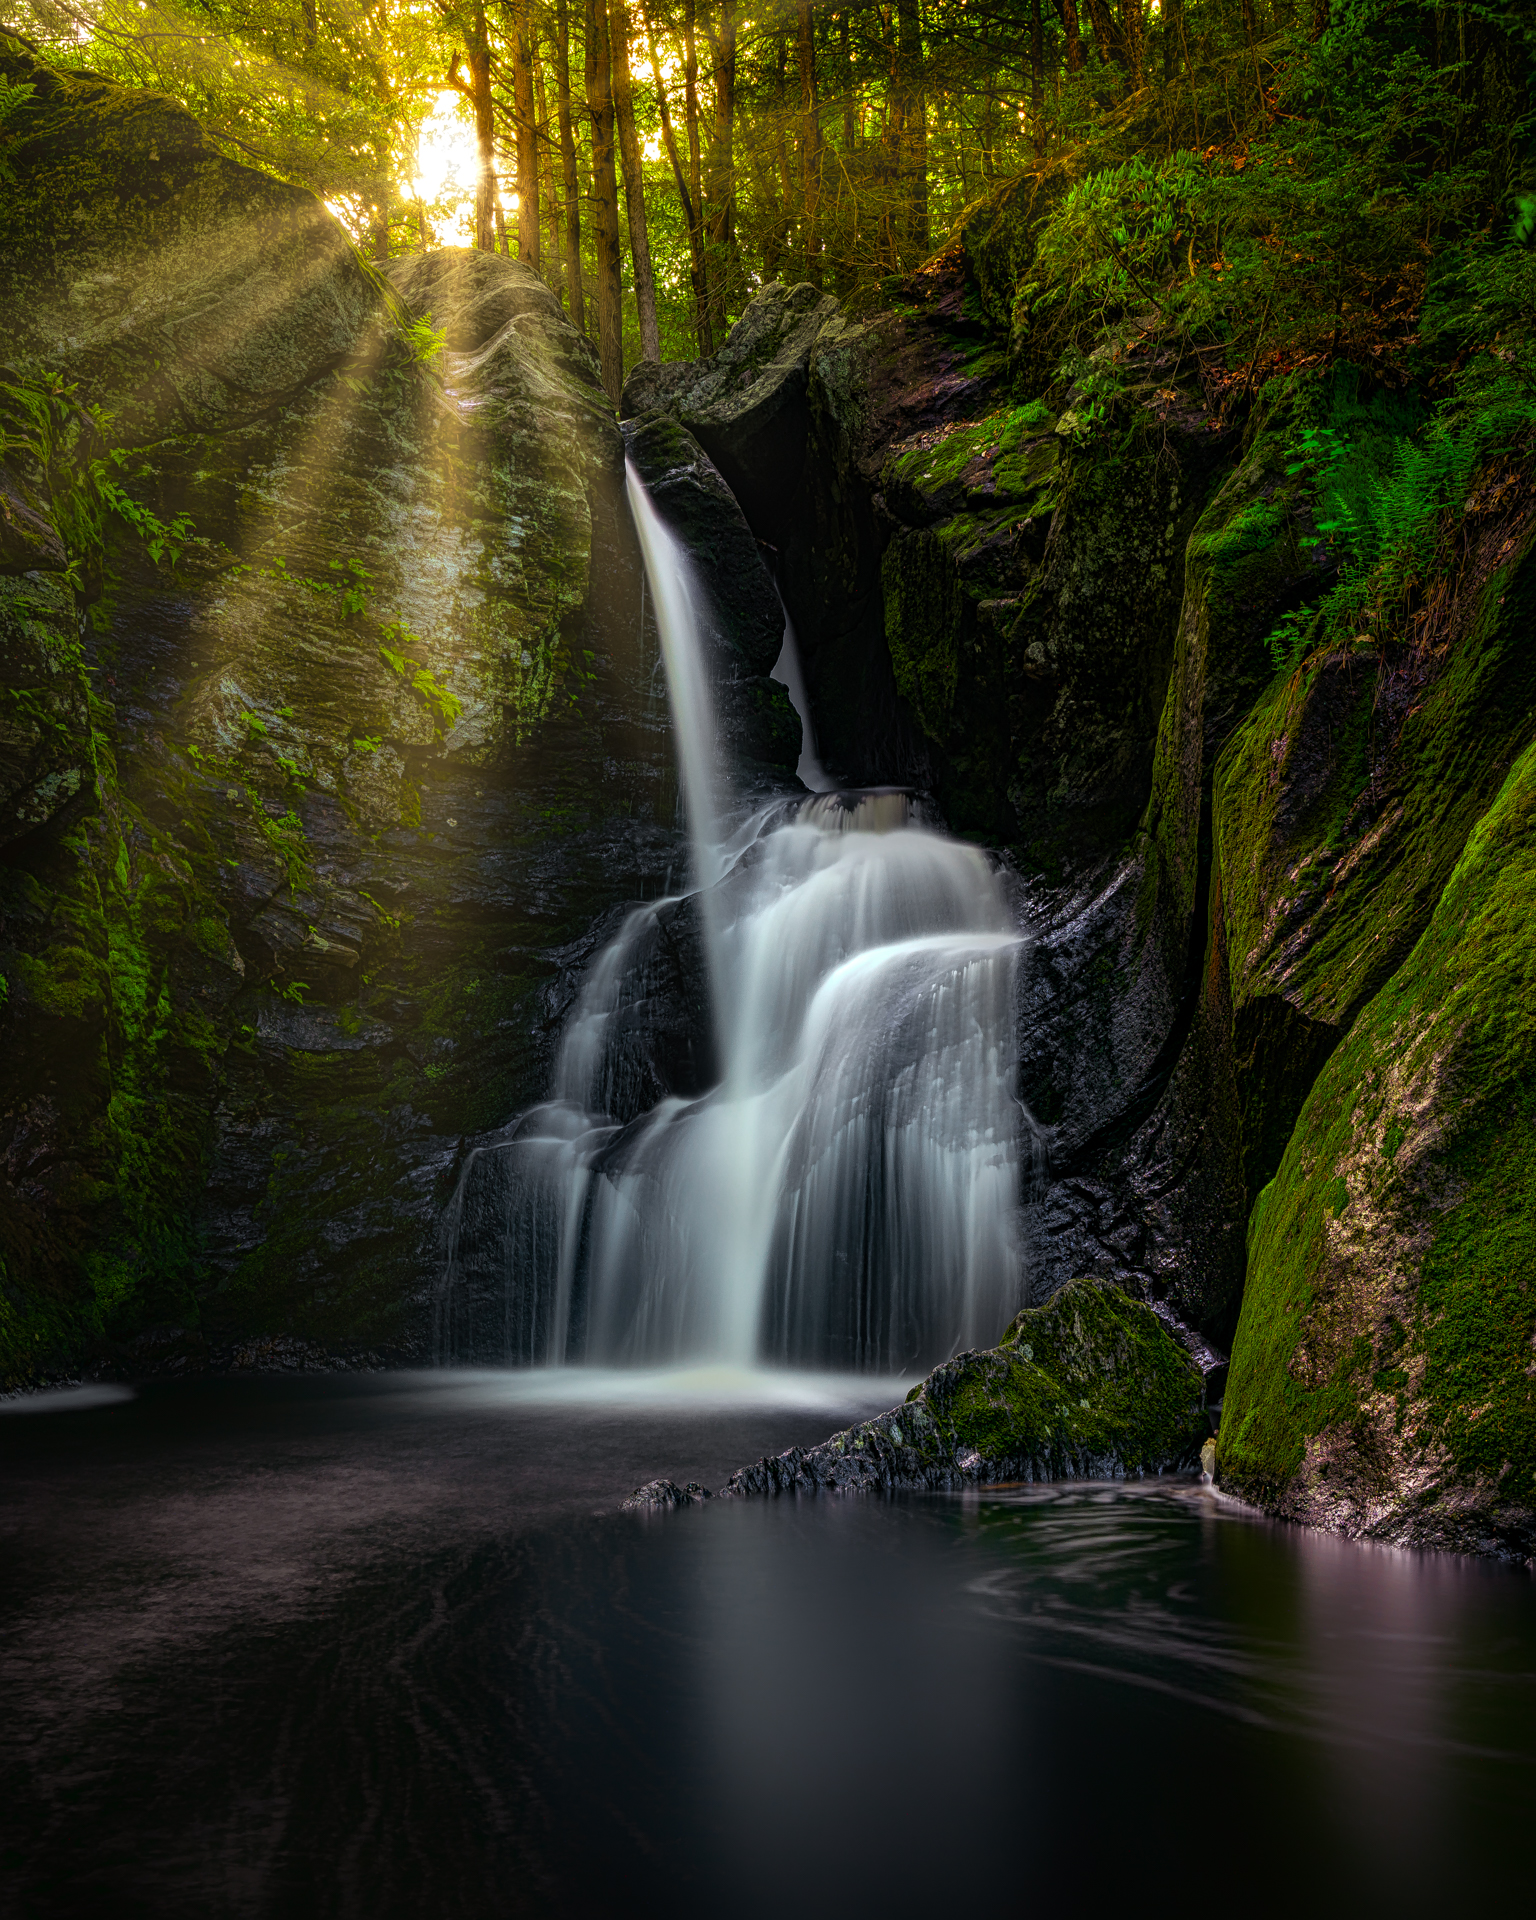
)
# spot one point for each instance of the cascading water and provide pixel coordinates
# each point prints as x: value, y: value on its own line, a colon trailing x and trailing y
x: 845, y: 1193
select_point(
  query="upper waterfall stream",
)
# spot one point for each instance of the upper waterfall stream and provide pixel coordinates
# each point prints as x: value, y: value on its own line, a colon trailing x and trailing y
x: 844, y: 1194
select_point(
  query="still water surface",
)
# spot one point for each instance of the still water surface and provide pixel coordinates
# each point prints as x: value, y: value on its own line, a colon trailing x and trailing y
x: 380, y: 1646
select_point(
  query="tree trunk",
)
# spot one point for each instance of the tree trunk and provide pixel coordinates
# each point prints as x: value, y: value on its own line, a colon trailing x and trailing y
x: 569, y: 180
x: 605, y: 202
x: 850, y: 133
x: 477, y: 91
x: 722, y: 168
x: 1037, y: 76
x: 810, y: 142
x: 527, y: 134
x: 693, y: 212
x: 1073, y: 32
x: 1173, y: 39
x: 1106, y: 34
x: 1133, y: 30
x: 776, y: 233
x: 634, y: 182
x: 544, y: 160
x: 914, y: 129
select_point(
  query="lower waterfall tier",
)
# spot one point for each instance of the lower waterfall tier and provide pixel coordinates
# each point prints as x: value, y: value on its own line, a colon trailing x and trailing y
x: 843, y: 1195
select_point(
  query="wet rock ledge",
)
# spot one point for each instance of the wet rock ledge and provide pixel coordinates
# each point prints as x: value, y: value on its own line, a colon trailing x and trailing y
x: 1090, y: 1386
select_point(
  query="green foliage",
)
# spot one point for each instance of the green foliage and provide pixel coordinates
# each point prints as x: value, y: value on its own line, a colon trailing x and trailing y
x: 1114, y: 241
x: 427, y: 341
x: 13, y: 96
x: 1312, y: 238
x: 287, y: 839
x: 1388, y: 498
x: 444, y: 705
x: 67, y: 447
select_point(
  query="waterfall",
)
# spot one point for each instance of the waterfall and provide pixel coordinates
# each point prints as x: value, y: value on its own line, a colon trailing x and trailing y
x: 843, y: 1190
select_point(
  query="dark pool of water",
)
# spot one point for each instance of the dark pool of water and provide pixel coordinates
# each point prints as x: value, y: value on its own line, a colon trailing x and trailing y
x: 380, y: 1646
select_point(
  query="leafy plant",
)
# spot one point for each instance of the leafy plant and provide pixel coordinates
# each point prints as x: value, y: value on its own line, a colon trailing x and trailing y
x: 441, y: 702
x: 427, y: 341
x: 13, y: 95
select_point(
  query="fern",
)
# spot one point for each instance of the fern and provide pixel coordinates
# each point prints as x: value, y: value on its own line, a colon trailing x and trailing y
x: 1382, y: 498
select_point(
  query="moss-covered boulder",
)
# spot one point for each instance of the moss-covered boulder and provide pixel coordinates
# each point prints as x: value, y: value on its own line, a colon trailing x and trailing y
x: 1134, y: 1058
x: 1384, y: 1375
x: 1090, y: 1386
x: 321, y: 766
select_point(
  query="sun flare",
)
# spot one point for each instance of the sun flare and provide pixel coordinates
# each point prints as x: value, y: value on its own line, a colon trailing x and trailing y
x: 444, y: 179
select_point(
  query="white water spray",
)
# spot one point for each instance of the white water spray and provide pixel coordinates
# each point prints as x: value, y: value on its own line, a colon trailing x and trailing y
x: 845, y: 1196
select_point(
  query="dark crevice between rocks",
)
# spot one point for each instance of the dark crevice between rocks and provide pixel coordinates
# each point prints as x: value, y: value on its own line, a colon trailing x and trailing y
x: 1088, y: 1156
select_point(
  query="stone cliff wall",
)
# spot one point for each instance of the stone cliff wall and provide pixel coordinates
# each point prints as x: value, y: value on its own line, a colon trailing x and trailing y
x: 329, y: 735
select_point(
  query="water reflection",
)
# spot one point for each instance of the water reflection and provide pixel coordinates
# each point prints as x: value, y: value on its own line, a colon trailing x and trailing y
x: 339, y: 1648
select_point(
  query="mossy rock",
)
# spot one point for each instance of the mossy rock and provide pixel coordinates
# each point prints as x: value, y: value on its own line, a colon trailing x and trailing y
x: 998, y: 235
x: 1382, y: 1379
x: 1342, y: 804
x: 1089, y: 1386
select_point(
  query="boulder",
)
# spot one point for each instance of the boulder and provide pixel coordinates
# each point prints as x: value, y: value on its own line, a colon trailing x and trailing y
x: 1090, y: 1386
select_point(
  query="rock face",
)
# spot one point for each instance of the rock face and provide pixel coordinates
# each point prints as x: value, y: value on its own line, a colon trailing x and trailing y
x: 1090, y: 1386
x: 742, y: 620
x: 1384, y: 1379
x: 333, y: 747
x: 320, y: 770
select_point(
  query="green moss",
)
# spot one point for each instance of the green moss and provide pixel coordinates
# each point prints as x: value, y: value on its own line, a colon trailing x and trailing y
x: 1286, y: 834
x: 1477, y: 1309
x: 1399, y: 1222
x: 1092, y: 1372
x: 1008, y: 456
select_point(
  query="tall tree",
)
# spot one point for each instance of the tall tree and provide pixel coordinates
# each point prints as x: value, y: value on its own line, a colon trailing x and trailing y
x: 605, y: 201
x: 810, y: 141
x: 1072, y: 34
x: 544, y: 159
x: 634, y: 180
x: 477, y: 91
x: 722, y: 166
x: 526, y: 124
x: 1037, y: 76
x: 568, y: 175
x: 914, y: 126
x: 693, y: 211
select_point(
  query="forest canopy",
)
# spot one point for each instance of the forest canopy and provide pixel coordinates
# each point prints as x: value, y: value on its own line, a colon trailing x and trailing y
x: 1276, y: 176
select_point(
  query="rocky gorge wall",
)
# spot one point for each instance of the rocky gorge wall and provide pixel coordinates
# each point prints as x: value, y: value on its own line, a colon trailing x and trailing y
x: 333, y: 746
x: 1272, y: 1023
